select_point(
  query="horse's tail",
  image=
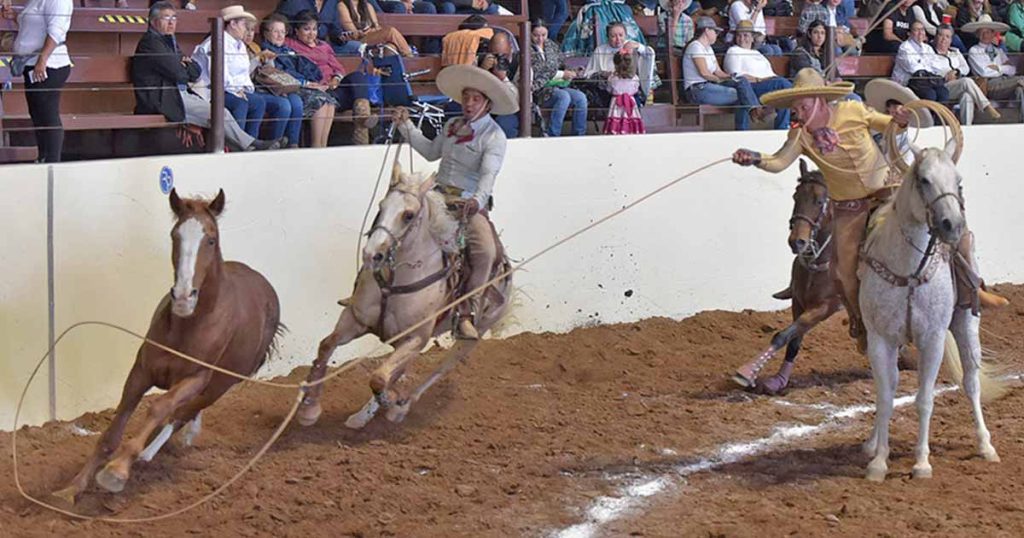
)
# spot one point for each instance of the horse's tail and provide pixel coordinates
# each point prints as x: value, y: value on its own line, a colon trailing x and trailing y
x: 991, y: 386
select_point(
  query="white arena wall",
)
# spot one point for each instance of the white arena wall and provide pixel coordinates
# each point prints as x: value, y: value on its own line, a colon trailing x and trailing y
x: 715, y: 241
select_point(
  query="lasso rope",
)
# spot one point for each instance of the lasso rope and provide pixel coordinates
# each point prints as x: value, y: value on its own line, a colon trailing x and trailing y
x: 302, y: 385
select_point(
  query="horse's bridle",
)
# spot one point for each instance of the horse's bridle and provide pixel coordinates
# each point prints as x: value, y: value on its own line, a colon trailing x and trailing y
x: 813, y: 251
x: 396, y: 241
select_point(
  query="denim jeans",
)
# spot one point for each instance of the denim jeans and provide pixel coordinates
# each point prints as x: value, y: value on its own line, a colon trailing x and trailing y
x: 509, y: 124
x: 731, y: 92
x: 348, y: 48
x: 284, y: 115
x: 247, y: 112
x: 492, y: 9
x: 394, y: 6
x: 559, y: 102
x: 770, y: 85
x: 555, y: 13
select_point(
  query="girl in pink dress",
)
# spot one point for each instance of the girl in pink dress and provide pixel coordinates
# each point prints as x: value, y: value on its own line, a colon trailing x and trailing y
x: 623, y: 113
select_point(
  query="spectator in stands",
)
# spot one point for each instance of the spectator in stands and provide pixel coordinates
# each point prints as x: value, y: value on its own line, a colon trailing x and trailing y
x: 290, y: 126
x: 329, y: 23
x: 602, y: 62
x: 990, y: 62
x: 555, y: 13
x: 502, y: 63
x: 240, y: 97
x: 680, y: 21
x: 752, y: 10
x: 742, y: 60
x: 317, y: 104
x: 811, y: 52
x: 929, y: 13
x: 847, y: 38
x: 813, y: 11
x: 1015, y: 20
x: 359, y: 20
x: 485, y: 7
x: 42, y: 58
x: 706, y: 84
x: 418, y: 7
x: 351, y: 91
x: 953, y: 67
x: 161, y: 74
x: 915, y: 61
x: 971, y: 11
x: 894, y: 30
x: 551, y: 80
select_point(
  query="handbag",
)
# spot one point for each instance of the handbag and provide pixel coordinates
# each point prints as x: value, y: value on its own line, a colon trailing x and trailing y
x: 276, y: 81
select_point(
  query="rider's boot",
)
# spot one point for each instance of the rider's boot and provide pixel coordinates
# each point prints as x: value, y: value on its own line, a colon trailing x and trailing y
x: 363, y: 120
x: 784, y: 295
x: 466, y: 329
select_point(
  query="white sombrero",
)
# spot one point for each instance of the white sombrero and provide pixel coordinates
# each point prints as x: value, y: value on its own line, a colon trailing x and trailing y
x: 236, y: 12
x: 455, y: 78
x: 881, y: 90
x: 985, y: 22
x: 807, y: 83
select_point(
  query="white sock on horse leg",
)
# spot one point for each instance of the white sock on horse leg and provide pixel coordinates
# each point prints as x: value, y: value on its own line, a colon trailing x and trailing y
x: 194, y: 427
x: 157, y: 444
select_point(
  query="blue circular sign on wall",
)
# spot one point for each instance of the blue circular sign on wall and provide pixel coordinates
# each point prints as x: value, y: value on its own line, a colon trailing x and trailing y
x: 166, y: 180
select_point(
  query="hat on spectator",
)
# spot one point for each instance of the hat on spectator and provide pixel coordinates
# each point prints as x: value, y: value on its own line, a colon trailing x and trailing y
x: 882, y: 90
x: 746, y: 25
x: 984, y: 22
x: 236, y: 12
x: 455, y: 78
x: 703, y: 23
x: 807, y: 83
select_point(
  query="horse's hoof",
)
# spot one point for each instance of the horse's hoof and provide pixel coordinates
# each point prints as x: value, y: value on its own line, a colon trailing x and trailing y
x: 68, y: 494
x: 921, y: 471
x: 742, y: 381
x: 396, y: 413
x: 358, y: 420
x: 111, y: 480
x: 875, y: 475
x: 772, y: 386
x: 309, y: 414
x: 990, y: 455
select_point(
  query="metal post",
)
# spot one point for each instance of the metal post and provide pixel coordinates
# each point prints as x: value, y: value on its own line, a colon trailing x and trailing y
x: 830, y: 53
x: 51, y: 300
x: 673, y: 65
x: 525, y: 82
x: 215, y: 143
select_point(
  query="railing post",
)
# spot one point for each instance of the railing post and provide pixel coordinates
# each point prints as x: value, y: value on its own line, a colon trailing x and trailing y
x: 673, y: 64
x: 525, y: 82
x: 215, y: 144
x: 830, y: 53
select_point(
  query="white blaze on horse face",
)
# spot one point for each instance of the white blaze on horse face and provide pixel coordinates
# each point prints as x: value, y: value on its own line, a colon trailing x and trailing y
x: 185, y: 296
x: 392, y: 207
x: 940, y: 195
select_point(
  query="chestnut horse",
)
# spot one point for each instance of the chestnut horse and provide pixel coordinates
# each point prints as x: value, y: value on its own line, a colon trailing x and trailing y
x: 815, y: 296
x: 411, y: 269
x: 223, y: 313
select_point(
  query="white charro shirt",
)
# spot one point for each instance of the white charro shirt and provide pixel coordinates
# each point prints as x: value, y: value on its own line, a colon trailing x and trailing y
x: 469, y: 165
x: 236, y: 67
x: 911, y: 58
x: 990, y: 61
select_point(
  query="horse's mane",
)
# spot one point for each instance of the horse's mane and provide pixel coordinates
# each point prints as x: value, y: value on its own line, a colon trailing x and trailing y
x: 442, y: 226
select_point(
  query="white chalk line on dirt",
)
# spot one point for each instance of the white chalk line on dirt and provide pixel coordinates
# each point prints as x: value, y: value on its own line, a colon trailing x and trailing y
x: 629, y: 498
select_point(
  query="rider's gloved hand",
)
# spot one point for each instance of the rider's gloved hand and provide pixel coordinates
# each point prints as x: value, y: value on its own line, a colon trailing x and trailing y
x: 470, y: 208
x: 399, y: 115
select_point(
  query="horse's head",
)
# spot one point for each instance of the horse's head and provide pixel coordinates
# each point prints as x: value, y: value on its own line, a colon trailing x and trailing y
x: 401, y: 209
x: 937, y: 199
x: 810, y: 211
x: 195, y: 248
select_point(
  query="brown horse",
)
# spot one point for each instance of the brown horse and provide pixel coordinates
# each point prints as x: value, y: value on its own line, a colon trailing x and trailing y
x: 411, y: 269
x: 815, y: 296
x: 220, y: 312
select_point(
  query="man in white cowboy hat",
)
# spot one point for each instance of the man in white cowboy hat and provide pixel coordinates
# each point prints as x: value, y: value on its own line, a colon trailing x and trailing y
x: 837, y: 137
x: 991, y: 63
x: 240, y: 97
x: 888, y: 96
x: 471, y: 149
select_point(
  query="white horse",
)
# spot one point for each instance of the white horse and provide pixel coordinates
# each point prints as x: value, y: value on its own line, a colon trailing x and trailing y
x: 907, y: 295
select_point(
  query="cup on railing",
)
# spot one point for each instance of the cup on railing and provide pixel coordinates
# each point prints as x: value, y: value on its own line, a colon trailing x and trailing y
x: 947, y: 19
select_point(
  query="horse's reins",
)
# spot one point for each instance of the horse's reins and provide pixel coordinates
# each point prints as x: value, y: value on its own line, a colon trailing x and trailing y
x: 808, y: 259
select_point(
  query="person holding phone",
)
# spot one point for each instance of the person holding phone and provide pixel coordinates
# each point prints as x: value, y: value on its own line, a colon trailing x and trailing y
x: 42, y: 57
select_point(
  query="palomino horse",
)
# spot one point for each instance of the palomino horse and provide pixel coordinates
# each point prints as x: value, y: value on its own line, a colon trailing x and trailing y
x: 907, y: 295
x: 815, y: 296
x: 223, y: 313
x: 411, y: 269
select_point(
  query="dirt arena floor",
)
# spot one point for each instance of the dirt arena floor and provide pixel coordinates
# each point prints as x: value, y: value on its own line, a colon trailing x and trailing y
x: 623, y: 430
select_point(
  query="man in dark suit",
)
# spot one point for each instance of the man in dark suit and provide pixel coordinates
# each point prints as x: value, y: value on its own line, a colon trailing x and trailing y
x: 161, y: 74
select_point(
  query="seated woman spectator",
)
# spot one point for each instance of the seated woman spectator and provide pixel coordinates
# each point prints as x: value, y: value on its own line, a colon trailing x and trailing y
x: 291, y: 127
x: 951, y: 65
x: 811, y: 54
x: 240, y: 96
x: 894, y: 31
x: 1015, y: 19
x: 359, y: 20
x: 914, y: 67
x: 317, y: 104
x: 971, y: 11
x: 328, y: 26
x: 351, y: 91
x: 753, y: 11
x: 551, y: 80
x: 741, y: 60
x: 418, y: 7
x: 706, y: 84
x: 929, y: 13
x: 602, y: 61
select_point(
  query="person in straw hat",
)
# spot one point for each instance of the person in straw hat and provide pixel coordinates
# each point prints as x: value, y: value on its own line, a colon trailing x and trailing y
x: 837, y: 137
x: 887, y: 95
x: 991, y: 63
x: 471, y: 149
x: 741, y: 60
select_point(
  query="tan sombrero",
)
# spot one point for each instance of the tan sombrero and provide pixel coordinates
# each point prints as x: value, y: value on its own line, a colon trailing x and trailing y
x: 985, y: 22
x: 807, y: 83
x: 236, y: 12
x: 455, y: 78
x: 746, y: 25
x: 881, y: 90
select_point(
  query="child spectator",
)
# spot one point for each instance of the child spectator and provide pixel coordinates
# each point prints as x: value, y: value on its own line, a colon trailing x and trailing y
x: 623, y: 112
